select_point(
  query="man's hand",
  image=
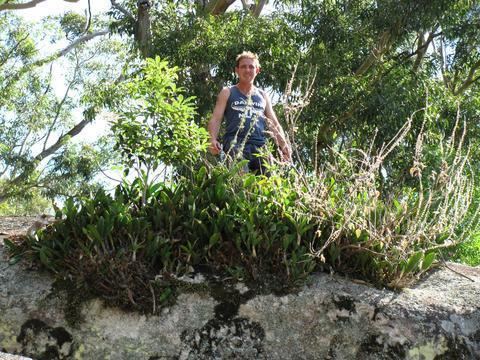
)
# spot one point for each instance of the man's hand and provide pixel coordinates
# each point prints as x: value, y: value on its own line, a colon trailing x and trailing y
x: 215, y: 147
x: 286, y: 153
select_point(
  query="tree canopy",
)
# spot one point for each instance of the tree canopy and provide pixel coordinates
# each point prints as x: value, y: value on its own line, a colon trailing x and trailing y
x: 369, y: 67
x: 376, y: 64
x: 40, y: 113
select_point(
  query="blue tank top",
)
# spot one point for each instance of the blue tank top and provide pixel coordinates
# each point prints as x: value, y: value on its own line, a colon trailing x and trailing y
x: 245, y: 117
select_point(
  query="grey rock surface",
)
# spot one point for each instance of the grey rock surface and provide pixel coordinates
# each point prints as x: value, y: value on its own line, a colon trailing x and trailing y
x: 330, y: 318
x: 333, y: 318
x: 5, y: 356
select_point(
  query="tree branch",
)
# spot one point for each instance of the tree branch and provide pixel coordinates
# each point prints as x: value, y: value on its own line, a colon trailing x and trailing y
x: 383, y: 45
x: 3, y: 61
x: 143, y: 33
x: 122, y: 10
x: 28, y: 5
x: 245, y: 5
x: 469, y: 80
x: 259, y: 7
x: 6, y: 192
x: 440, y: 53
x: 77, y: 42
x: 61, y: 140
x: 57, y: 113
x: 53, y: 57
x: 10, y: 6
x: 217, y: 7
x: 88, y: 13
x: 422, y: 47
x: 406, y: 55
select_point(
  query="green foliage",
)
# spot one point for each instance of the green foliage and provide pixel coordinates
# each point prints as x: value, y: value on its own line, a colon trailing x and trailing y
x: 155, y: 124
x: 390, y: 236
x: 268, y: 231
x: 73, y: 24
x: 253, y: 228
x: 37, y: 123
x: 383, y: 215
x: 205, y: 46
x: 468, y: 252
x: 257, y: 224
x: 31, y: 204
x: 375, y: 62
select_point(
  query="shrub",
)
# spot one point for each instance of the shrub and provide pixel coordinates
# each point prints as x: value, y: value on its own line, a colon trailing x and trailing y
x: 390, y: 238
x: 155, y: 126
x: 253, y: 228
x: 468, y: 252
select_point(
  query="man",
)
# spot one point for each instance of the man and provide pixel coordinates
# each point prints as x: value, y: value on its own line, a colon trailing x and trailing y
x: 247, y: 111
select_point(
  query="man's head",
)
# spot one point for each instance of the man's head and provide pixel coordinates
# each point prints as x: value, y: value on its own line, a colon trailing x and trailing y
x: 247, y: 67
x: 247, y: 55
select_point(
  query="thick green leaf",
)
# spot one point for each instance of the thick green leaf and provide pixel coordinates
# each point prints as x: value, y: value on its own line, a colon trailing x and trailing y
x: 413, y: 261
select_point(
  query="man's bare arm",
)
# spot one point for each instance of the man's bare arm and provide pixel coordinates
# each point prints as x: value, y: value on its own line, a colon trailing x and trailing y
x: 216, y: 120
x: 277, y: 131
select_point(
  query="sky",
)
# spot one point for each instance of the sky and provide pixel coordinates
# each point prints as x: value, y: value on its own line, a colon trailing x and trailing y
x: 57, y: 7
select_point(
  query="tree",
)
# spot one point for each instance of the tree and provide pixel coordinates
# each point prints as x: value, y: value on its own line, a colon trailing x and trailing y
x: 32, y: 204
x: 377, y: 62
x: 155, y: 123
x: 38, y: 124
x: 380, y: 63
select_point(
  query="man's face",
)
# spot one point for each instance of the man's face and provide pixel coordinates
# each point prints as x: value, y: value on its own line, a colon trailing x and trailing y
x: 247, y: 69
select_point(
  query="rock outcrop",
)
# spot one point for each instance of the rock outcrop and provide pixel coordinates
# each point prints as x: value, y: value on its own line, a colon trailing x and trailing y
x: 330, y: 318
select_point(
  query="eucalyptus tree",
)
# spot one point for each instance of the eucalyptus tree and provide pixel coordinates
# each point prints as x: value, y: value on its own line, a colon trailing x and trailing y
x: 40, y: 114
x: 376, y: 62
x: 382, y: 62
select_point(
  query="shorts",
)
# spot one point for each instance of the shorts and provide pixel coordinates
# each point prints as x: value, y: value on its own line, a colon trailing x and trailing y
x: 256, y: 164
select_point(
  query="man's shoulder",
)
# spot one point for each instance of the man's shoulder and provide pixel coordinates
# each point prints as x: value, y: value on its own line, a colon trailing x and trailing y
x: 263, y: 93
x: 225, y: 90
x: 224, y: 93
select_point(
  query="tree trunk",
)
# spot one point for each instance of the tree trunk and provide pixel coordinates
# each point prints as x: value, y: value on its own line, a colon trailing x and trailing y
x: 382, y: 46
x: 143, y: 34
x: 217, y: 7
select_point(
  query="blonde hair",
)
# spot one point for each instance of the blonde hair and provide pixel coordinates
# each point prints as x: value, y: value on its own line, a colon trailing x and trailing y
x: 247, y: 55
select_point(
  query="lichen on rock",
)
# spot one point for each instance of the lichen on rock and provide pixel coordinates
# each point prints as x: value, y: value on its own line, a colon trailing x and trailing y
x: 330, y: 318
